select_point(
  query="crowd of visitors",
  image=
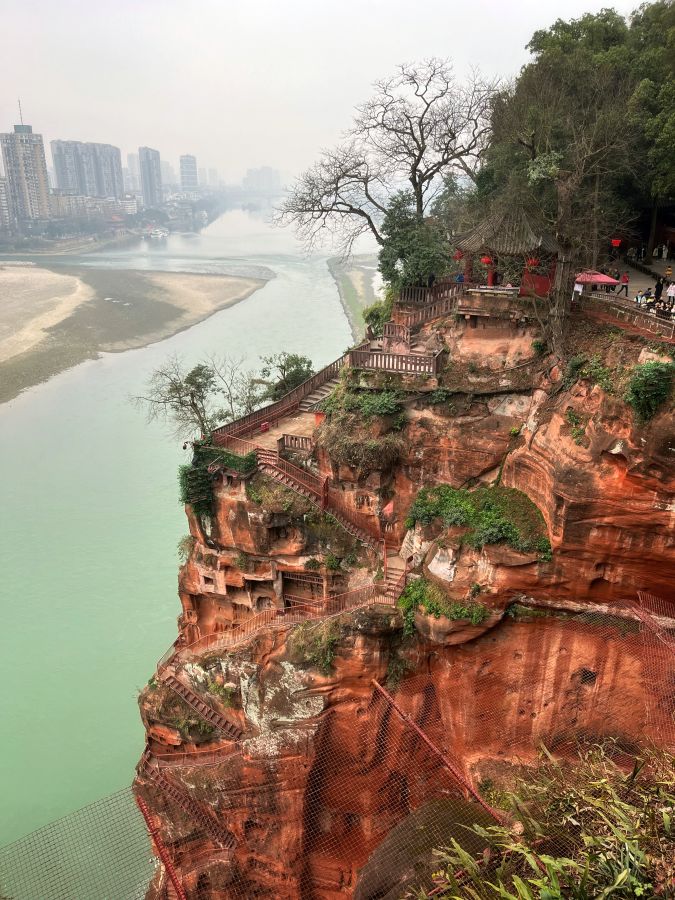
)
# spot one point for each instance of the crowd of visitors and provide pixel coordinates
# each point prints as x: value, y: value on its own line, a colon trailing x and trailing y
x: 660, y: 301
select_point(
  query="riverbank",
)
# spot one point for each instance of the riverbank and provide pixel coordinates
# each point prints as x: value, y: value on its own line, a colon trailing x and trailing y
x: 52, y: 319
x: 355, y: 283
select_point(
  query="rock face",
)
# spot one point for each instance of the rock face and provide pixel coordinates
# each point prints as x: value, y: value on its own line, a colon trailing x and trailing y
x: 329, y: 787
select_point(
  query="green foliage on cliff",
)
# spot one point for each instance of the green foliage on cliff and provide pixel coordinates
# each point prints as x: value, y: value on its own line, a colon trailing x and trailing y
x: 378, y: 313
x: 421, y: 593
x: 196, y: 482
x: 493, y: 515
x: 368, y: 404
x: 583, y: 830
x: 315, y: 644
x: 649, y: 386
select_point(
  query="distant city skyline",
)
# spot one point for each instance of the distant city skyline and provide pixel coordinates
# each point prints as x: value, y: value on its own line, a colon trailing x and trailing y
x: 240, y: 85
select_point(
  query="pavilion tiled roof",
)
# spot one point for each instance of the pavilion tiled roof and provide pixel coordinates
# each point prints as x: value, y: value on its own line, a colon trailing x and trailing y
x: 509, y: 232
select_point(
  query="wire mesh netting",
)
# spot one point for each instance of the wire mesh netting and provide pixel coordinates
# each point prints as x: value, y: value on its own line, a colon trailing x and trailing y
x: 390, y: 778
x: 99, y: 852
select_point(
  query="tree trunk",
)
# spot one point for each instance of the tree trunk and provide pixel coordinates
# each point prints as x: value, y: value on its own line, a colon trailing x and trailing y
x: 561, y: 300
x: 595, y: 245
x: 652, y: 232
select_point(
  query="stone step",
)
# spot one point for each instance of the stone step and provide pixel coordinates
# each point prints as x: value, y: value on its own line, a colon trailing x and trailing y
x: 194, y: 809
x: 220, y: 723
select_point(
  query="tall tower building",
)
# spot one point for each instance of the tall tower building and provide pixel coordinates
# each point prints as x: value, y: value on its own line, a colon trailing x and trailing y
x: 66, y: 158
x: 151, y: 176
x: 23, y: 156
x: 91, y: 170
x: 6, y: 223
x: 188, y: 173
x: 108, y: 167
x: 134, y: 168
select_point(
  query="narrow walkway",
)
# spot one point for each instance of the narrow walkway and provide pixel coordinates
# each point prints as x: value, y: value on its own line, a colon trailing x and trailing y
x: 220, y: 723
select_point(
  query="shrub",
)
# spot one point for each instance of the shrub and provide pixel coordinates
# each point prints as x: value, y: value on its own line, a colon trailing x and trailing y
x: 492, y: 514
x: 378, y: 313
x: 596, y: 372
x: 583, y: 829
x: 331, y: 562
x: 649, y: 386
x: 242, y: 562
x: 312, y: 564
x: 420, y: 593
x: 539, y: 346
x: 347, y: 445
x: 572, y: 370
x: 223, y: 692
x: 514, y: 431
x: 184, y: 547
x: 315, y: 644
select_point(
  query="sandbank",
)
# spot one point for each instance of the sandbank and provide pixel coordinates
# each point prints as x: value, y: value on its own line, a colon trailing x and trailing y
x: 52, y: 319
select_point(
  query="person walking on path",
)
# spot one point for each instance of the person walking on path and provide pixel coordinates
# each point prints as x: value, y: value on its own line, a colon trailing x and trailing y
x: 669, y: 272
x: 624, y: 284
x: 671, y: 290
x: 658, y: 288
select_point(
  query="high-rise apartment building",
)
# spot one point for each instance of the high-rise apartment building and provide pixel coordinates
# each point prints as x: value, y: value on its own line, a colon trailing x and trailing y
x: 23, y: 156
x: 188, y: 173
x: 109, y: 180
x: 6, y: 223
x: 134, y: 168
x: 151, y: 176
x: 87, y: 169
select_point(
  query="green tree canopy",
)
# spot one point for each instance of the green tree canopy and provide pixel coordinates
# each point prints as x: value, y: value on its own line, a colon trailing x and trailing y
x: 413, y: 249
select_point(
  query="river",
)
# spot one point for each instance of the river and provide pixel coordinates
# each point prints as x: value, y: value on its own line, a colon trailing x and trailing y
x: 91, y: 520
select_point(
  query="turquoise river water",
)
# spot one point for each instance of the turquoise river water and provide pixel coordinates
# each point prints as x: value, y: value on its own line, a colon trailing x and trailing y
x: 90, y: 522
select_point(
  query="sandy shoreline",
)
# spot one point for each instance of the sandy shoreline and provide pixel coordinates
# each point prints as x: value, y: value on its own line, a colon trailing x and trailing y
x: 354, y: 281
x: 52, y: 319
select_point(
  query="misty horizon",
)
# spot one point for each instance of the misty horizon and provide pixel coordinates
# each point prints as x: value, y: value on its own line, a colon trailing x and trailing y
x: 237, y: 87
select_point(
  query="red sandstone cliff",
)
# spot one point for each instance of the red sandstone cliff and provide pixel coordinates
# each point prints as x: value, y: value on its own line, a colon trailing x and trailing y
x: 302, y: 768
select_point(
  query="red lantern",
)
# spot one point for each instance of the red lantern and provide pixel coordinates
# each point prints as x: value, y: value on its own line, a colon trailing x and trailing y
x: 616, y: 242
x: 486, y: 260
x: 458, y: 255
x: 532, y: 262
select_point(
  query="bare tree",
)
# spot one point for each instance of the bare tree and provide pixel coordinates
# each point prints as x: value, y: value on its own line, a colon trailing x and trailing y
x: 241, y: 389
x: 215, y: 391
x: 419, y: 126
x: 185, y: 398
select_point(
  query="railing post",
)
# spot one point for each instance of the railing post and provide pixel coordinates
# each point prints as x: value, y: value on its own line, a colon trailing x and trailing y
x: 324, y: 493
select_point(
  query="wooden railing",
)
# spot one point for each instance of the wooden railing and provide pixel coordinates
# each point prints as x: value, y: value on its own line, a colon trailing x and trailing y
x: 334, y: 503
x: 394, y: 331
x: 634, y: 317
x: 301, y: 477
x: 298, y: 442
x: 394, y: 362
x: 206, y: 757
x: 278, y: 618
x: 443, y: 307
x: 283, y: 407
x: 422, y: 296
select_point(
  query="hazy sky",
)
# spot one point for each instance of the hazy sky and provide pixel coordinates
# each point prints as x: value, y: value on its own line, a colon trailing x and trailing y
x: 239, y: 84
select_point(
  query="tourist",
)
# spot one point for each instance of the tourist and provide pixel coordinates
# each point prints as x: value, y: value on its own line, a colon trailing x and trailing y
x: 625, y: 279
x: 658, y: 288
x: 639, y: 298
x: 670, y: 291
x: 459, y: 278
x: 669, y: 272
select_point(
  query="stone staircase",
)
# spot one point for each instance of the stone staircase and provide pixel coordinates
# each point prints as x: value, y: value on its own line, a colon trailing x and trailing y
x: 197, y: 811
x: 312, y: 400
x: 220, y: 723
x: 396, y: 569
